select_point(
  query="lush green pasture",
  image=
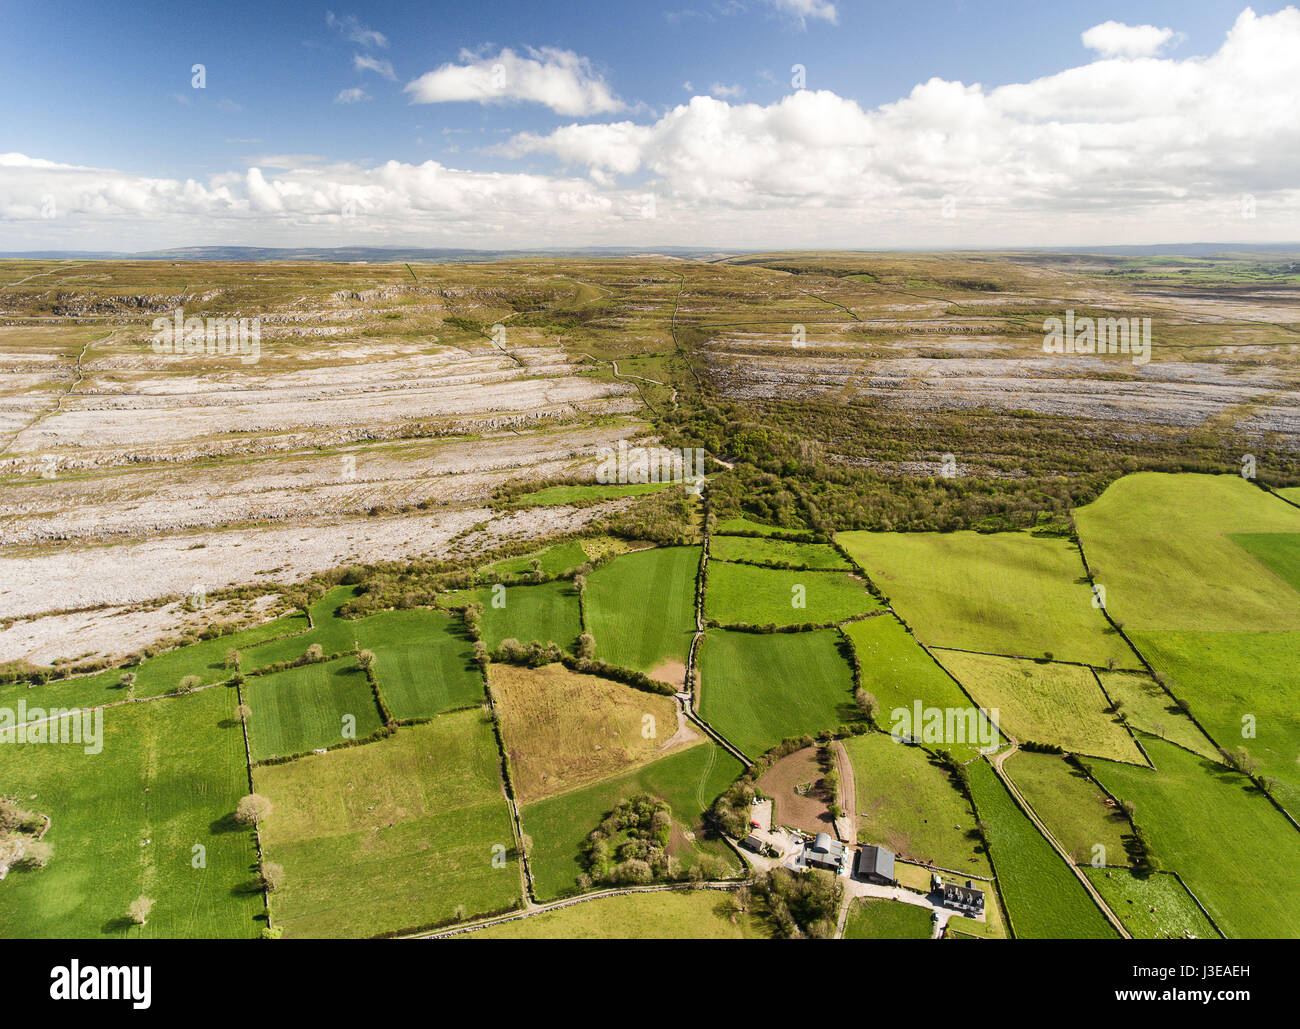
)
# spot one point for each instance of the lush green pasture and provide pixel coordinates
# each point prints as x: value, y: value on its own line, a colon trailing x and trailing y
x: 887, y: 920
x: 334, y: 634
x: 640, y: 607
x: 743, y: 525
x: 1234, y: 850
x: 1003, y: 593
x: 688, y: 781
x: 554, y: 495
x: 777, y: 552
x: 1045, y: 703
x: 1153, y: 907
x: 1074, y: 810
x: 424, y: 661
x: 305, y: 708
x: 1235, y: 682
x: 759, y: 596
x: 125, y: 822
x: 207, y: 659
x: 547, y: 613
x: 1149, y: 708
x: 909, y: 803
x: 757, y: 689
x: 391, y: 835
x: 553, y: 561
x: 689, y: 915
x: 1277, y: 551
x: 1044, y: 900
x: 898, y: 672
x: 1162, y: 545
x: 79, y: 691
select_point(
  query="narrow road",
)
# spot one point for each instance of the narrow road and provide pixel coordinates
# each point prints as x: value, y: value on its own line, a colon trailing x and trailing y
x: 846, y: 826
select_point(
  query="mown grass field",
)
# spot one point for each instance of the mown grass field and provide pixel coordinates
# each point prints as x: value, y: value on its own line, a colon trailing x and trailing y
x: 391, y: 835
x: 1074, y: 810
x: 1176, y: 530
x: 898, y: 672
x: 1002, y: 593
x: 1234, y: 850
x: 304, y: 708
x: 563, y: 730
x: 547, y: 613
x: 911, y: 805
x: 334, y: 634
x: 688, y: 781
x: 1044, y: 900
x: 124, y: 823
x: 1155, y: 907
x: 887, y: 920
x: 759, y: 596
x: 1149, y: 708
x: 757, y: 689
x: 777, y: 552
x: 1045, y: 703
x: 677, y: 915
x: 424, y: 661
x: 640, y: 607
x: 1277, y: 551
x: 161, y: 673
x: 1235, y: 680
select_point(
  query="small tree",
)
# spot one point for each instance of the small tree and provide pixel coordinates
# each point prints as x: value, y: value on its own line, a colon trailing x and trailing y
x: 188, y: 684
x: 139, y: 910
x: 272, y: 876
x: 365, y: 658
x: 252, y: 809
x: 232, y: 658
x: 126, y: 680
x: 586, y: 646
x: 866, y: 702
x: 315, y: 652
x: 243, y: 712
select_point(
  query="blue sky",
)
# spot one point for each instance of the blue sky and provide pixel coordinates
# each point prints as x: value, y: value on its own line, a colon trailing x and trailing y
x: 96, y: 86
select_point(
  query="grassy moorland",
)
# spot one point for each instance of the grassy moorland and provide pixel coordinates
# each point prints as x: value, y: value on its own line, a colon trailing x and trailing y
x: 640, y: 607
x: 1002, y: 593
x: 396, y: 834
x: 1044, y: 900
x: 758, y: 689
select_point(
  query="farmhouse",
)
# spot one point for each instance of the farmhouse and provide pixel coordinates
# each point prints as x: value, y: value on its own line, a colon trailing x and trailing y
x: 875, y: 865
x: 824, y: 852
x: 962, y: 898
x: 752, y: 842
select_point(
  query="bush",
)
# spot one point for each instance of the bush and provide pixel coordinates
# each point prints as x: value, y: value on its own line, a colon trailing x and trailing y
x: 252, y: 809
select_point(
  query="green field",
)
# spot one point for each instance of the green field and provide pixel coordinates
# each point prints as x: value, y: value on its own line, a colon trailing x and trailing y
x: 743, y: 525
x: 1044, y: 899
x: 688, y: 781
x: 553, y: 561
x: 1235, y: 680
x: 160, y: 674
x: 554, y: 495
x: 392, y: 835
x: 1150, y: 709
x: 762, y: 596
x: 335, y: 635
x: 1045, y: 703
x: 424, y: 662
x: 547, y: 613
x: 777, y: 552
x: 898, y: 672
x: 1175, y: 531
x: 1277, y: 551
x: 307, y: 707
x: 1234, y: 850
x: 684, y: 915
x: 887, y: 920
x: 78, y: 691
x: 909, y: 803
x: 758, y: 689
x: 1003, y: 593
x: 1154, y: 907
x: 640, y: 607
x: 1074, y: 810
x: 125, y: 822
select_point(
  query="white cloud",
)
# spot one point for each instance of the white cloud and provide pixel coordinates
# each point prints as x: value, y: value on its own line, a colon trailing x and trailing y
x: 1110, y: 152
x: 1115, y: 39
x: 805, y: 9
x: 560, y: 79
x: 354, y: 32
x: 362, y: 62
x: 725, y: 92
x: 355, y: 95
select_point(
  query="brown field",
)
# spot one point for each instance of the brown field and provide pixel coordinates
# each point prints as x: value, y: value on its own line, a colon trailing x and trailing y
x: 564, y: 730
x: 809, y: 812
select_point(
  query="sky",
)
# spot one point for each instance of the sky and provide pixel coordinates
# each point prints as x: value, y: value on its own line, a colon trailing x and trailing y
x: 727, y: 124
